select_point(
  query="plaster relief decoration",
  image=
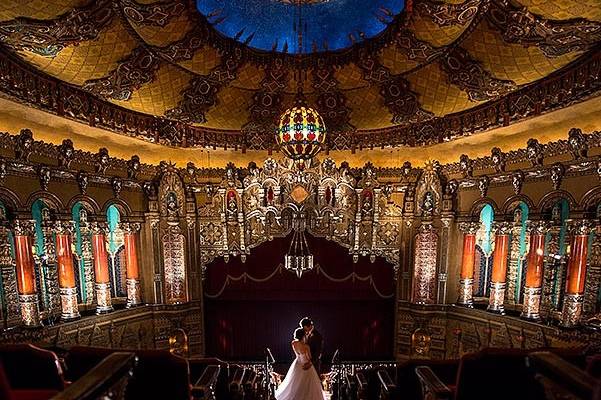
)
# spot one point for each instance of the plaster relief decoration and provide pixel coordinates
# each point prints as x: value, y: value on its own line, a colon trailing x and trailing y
x: 424, y: 269
x: 428, y: 192
x: 254, y: 205
x: 172, y: 201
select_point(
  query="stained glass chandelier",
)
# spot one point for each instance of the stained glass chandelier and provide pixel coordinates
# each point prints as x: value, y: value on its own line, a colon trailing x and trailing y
x: 301, y: 132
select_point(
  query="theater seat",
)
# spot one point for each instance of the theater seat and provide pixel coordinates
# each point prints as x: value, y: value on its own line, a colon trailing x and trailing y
x: 494, y: 374
x: 158, y: 375
x: 31, y: 372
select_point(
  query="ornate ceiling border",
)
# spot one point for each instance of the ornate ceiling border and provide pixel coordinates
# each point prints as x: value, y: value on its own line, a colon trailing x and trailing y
x: 579, y: 80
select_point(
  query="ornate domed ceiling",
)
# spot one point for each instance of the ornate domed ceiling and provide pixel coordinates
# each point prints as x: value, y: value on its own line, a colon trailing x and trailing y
x: 165, y: 72
x: 272, y: 25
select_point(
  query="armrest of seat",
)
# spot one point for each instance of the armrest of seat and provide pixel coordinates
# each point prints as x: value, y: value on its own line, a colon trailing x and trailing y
x: 558, y: 376
x: 386, y: 383
x: 236, y: 382
x: 362, y: 385
x: 204, y: 388
x: 432, y: 387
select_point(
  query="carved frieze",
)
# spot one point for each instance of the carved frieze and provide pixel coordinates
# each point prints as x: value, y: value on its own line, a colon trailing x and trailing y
x: 48, y: 37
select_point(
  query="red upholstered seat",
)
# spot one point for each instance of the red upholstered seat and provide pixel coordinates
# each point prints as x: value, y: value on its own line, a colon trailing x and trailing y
x: 29, y: 368
x: 6, y: 393
x: 158, y: 374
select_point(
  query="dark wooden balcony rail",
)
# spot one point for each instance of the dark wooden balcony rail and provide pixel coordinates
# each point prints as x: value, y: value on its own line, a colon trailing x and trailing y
x: 107, y: 380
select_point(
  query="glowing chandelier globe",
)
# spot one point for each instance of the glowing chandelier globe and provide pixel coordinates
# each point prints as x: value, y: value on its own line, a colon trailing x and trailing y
x: 301, y: 132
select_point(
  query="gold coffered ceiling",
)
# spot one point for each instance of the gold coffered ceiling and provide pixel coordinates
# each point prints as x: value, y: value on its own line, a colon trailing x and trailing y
x: 163, y: 59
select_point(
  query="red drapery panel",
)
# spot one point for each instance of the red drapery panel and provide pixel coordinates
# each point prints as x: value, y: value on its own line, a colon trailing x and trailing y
x: 257, y: 304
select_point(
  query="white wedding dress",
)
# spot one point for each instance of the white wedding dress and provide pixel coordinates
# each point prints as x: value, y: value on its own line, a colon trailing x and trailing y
x: 300, y: 384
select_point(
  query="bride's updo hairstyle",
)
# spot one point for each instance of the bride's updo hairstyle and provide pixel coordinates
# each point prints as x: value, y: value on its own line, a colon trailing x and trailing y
x: 299, y: 333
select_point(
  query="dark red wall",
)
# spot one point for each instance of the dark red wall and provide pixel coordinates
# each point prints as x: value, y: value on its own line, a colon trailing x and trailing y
x: 353, y: 306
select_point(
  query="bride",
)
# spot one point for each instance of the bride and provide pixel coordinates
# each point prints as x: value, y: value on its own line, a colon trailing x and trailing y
x: 302, y: 381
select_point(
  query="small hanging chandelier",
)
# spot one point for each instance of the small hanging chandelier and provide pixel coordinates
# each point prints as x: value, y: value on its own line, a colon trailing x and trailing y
x: 298, y: 259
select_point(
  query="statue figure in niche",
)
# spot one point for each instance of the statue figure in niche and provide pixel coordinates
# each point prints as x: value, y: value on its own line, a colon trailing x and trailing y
x: 556, y: 214
x: 428, y: 204
x: 517, y: 216
x: 172, y: 205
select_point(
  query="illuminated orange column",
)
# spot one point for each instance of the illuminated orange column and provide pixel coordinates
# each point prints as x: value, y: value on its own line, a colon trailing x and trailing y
x: 101, y: 270
x: 574, y: 294
x: 534, y: 270
x: 28, y: 297
x: 466, y: 281
x: 131, y: 260
x: 499, y: 268
x: 66, y: 272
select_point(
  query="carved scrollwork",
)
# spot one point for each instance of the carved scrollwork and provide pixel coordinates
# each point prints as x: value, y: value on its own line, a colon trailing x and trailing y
x: 44, y: 175
x: 468, y: 74
x: 517, y: 181
x: 535, y: 152
x: 499, y: 159
x: 483, y: 184
x: 577, y: 143
x: 553, y: 38
x: 202, y: 93
x: 398, y: 97
x: 82, y: 182
x: 466, y: 165
x: 102, y: 160
x: 139, y: 68
x: 158, y: 14
x: 557, y: 173
x: 445, y: 14
x: 133, y: 167
x: 24, y: 145
x: 65, y: 153
x: 48, y: 38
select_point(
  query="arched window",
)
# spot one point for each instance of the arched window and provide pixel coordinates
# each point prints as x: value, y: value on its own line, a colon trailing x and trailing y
x: 115, y: 248
x: 484, y: 250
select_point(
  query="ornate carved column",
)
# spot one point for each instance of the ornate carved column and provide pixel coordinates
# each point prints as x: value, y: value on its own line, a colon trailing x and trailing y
x: 86, y: 261
x: 130, y: 237
x: 424, y: 268
x: 534, y: 270
x: 28, y: 296
x: 499, y: 267
x: 516, y: 261
x: 101, y: 269
x: 574, y: 290
x: 48, y: 269
x: 593, y: 276
x: 466, y: 279
x: 66, y: 272
x: 10, y: 294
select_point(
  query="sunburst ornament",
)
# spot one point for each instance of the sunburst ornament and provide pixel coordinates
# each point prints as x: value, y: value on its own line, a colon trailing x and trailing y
x: 301, y: 132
